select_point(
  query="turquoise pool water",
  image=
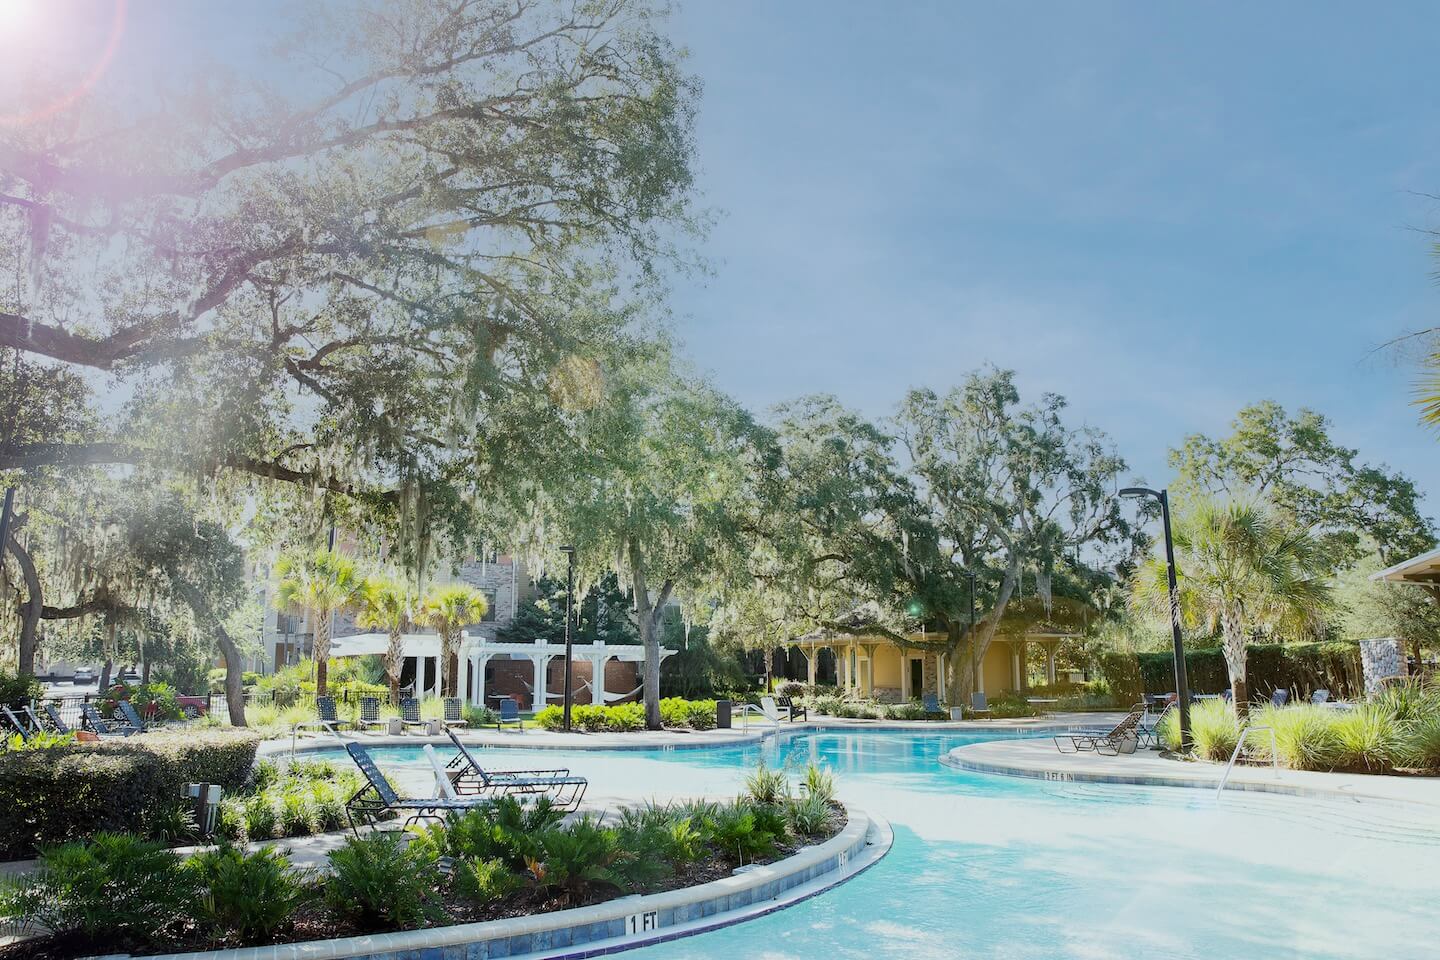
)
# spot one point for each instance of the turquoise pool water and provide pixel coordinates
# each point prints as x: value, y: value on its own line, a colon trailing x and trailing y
x: 999, y: 867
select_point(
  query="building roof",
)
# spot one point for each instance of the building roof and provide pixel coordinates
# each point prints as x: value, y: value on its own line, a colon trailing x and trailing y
x: 1422, y: 569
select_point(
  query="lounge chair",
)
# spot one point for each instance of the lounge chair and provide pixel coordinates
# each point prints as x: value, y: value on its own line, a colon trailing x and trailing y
x: 370, y: 714
x: 378, y: 797
x: 1280, y: 697
x: 34, y: 720
x: 57, y: 722
x: 16, y: 724
x: 132, y: 716
x: 930, y: 703
x: 470, y: 778
x: 454, y: 715
x: 1124, y: 737
x: 791, y: 710
x: 509, y: 713
x: 105, y: 728
x: 1320, y: 696
x: 410, y: 713
x: 978, y: 704
x: 325, y: 718
x: 1148, y: 729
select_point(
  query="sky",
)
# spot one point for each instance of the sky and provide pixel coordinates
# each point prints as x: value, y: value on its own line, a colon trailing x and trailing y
x: 1162, y: 212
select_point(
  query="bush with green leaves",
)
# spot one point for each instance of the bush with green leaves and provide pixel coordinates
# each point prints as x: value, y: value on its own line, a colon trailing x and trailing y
x: 675, y: 712
x: 71, y: 791
x: 113, y: 891
x: 810, y: 815
x: 763, y: 785
x: 485, y: 881
x: 39, y: 740
x: 1213, y: 729
x: 249, y: 897
x: 818, y: 782
x: 382, y: 882
x: 18, y: 690
x: 583, y: 858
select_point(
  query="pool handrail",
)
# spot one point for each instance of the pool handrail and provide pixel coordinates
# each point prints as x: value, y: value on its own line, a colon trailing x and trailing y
x: 1239, y: 745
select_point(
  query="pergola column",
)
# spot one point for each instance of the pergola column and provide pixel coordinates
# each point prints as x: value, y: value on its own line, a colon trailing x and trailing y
x: 940, y: 677
x: 1050, y: 663
x: 464, y: 666
x: 1015, y: 667
x: 542, y: 660
x: 477, y: 688
x: 812, y: 659
x: 597, y: 678
x: 905, y: 692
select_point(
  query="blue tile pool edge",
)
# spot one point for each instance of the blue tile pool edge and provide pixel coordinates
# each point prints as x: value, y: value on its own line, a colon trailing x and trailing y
x: 598, y: 930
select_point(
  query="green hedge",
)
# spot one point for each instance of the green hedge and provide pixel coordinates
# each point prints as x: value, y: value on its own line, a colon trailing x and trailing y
x: 625, y: 717
x: 1302, y: 667
x: 68, y: 793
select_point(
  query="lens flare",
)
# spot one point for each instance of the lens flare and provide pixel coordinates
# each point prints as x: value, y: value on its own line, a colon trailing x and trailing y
x: 35, y: 42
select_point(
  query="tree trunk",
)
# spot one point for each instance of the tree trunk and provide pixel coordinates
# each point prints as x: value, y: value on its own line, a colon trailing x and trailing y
x: 144, y: 671
x: 234, y: 669
x: 30, y: 609
x: 648, y: 618
x: 450, y: 680
x: 109, y: 648
x: 1233, y: 634
x: 320, y: 650
x: 105, y: 675
x: 394, y: 660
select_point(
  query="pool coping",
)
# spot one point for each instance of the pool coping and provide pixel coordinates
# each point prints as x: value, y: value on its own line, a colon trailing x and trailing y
x: 601, y: 929
x: 1012, y: 759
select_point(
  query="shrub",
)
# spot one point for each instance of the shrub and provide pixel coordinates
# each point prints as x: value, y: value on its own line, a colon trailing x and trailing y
x: 1010, y: 705
x: 905, y: 711
x: 260, y: 818
x: 113, y: 890
x: 735, y: 831
x: 819, y: 782
x: 297, y: 814
x: 153, y: 701
x: 1419, y: 743
x: 580, y: 859
x: 1368, y: 738
x: 64, y: 793
x: 627, y: 717
x: 485, y: 881
x: 763, y: 785
x: 809, y: 815
x: 17, y: 690
x: 248, y: 896
x: 380, y: 881
x: 669, y: 832
x: 826, y: 704
x: 1212, y: 728
x: 1305, y: 737
x: 791, y: 688
x: 41, y: 740
x: 172, y: 822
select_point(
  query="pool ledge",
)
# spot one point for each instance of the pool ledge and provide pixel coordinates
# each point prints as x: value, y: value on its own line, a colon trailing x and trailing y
x: 1038, y: 759
x: 615, y: 925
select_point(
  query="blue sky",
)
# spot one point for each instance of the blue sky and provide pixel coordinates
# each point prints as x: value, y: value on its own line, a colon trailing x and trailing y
x: 1161, y: 211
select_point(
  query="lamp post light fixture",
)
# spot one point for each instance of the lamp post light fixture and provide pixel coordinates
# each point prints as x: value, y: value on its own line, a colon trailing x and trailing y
x: 1182, y: 682
x: 569, y: 604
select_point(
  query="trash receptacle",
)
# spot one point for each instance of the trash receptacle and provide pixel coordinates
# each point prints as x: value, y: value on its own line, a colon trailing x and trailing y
x: 722, y: 714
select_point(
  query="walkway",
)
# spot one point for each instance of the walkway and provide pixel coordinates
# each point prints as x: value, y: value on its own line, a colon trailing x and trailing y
x: 1040, y: 759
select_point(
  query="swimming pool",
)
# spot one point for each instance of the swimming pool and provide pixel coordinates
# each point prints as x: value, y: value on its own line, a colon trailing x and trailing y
x: 992, y: 866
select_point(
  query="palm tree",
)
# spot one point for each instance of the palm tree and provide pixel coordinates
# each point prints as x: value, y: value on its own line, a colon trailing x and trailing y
x: 449, y: 608
x: 318, y: 585
x: 1239, y: 568
x: 387, y: 603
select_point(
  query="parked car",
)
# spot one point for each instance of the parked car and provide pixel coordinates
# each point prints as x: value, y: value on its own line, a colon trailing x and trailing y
x: 128, y: 675
x: 83, y: 676
x: 193, y: 707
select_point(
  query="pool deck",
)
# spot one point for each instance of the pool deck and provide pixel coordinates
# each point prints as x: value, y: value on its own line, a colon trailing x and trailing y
x: 1039, y: 759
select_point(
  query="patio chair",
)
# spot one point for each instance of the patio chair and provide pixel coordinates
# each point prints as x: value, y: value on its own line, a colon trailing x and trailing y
x: 930, y: 703
x: 378, y: 798
x: 978, y: 703
x: 1320, y: 696
x: 34, y: 720
x: 470, y: 778
x: 132, y: 716
x: 325, y: 718
x: 16, y: 724
x: 791, y: 710
x: 370, y: 714
x: 1280, y: 697
x: 509, y: 713
x: 410, y: 713
x: 1124, y: 737
x: 454, y: 715
x: 102, y: 727
x: 57, y: 722
x: 1148, y: 729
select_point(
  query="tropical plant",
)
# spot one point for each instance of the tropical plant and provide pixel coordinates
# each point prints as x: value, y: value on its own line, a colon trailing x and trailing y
x: 485, y: 881
x: 387, y: 603
x: 1213, y: 730
x: 809, y: 815
x: 382, y: 881
x: 318, y: 585
x: 579, y: 859
x: 1240, y: 568
x: 448, y: 608
x: 819, y: 782
x: 763, y: 785
x: 249, y: 896
x: 110, y: 890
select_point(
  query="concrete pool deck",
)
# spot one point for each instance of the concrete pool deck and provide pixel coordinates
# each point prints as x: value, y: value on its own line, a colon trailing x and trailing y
x: 1038, y: 759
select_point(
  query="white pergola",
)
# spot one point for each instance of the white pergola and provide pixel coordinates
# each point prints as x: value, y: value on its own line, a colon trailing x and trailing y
x: 424, y: 649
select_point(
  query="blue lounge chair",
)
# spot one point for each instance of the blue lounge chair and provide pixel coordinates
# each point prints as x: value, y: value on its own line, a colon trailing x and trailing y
x: 454, y: 715
x: 978, y: 703
x: 379, y: 798
x: 1280, y: 697
x: 132, y: 716
x: 34, y: 720
x: 410, y: 713
x: 325, y: 718
x: 16, y: 724
x: 370, y: 713
x: 930, y: 703
x: 57, y: 722
x: 102, y: 727
x: 509, y: 713
x: 469, y: 777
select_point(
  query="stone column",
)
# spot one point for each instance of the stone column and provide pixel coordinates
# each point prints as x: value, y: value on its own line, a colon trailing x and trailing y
x: 1381, y: 660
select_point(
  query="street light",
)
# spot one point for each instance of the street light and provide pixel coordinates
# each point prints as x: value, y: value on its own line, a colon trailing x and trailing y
x: 1182, y: 682
x: 569, y: 602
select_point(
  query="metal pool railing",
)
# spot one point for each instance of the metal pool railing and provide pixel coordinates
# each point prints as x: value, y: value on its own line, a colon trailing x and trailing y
x: 1240, y: 745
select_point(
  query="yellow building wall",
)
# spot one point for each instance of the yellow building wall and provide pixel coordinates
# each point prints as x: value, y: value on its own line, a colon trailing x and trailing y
x: 886, y: 666
x: 997, y: 669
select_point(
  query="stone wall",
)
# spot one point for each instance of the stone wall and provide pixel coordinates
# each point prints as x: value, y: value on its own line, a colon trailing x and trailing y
x: 1381, y: 660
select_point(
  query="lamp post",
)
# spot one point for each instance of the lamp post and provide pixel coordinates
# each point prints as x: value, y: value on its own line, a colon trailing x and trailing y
x: 1182, y: 682
x: 569, y: 603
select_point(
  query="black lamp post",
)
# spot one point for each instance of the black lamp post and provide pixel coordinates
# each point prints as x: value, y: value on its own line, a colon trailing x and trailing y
x: 569, y: 603
x: 1182, y: 682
